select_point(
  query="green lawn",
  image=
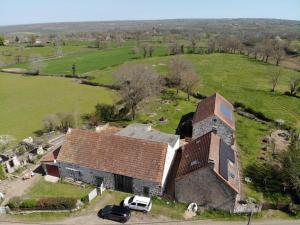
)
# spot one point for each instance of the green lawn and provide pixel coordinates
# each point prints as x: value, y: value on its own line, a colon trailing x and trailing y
x: 26, y: 100
x: 46, y: 189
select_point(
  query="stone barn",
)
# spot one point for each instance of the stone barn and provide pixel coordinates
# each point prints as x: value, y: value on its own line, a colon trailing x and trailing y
x: 208, y: 174
x: 135, y: 160
x: 215, y: 113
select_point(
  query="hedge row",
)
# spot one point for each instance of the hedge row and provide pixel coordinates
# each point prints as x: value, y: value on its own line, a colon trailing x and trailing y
x: 257, y: 114
x: 43, y: 203
x: 111, y: 86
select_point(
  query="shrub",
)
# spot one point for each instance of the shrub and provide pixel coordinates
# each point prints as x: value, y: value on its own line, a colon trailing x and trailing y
x: 29, y: 204
x: 57, y: 203
x: 105, y: 112
x: 85, y: 199
x: 14, y: 203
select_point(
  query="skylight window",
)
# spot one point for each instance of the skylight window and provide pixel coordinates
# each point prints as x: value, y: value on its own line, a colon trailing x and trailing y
x: 227, y: 112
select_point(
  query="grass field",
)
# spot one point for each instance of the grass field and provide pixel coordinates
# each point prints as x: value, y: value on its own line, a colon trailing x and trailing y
x: 92, y: 59
x: 26, y: 100
x: 46, y: 189
x: 236, y: 77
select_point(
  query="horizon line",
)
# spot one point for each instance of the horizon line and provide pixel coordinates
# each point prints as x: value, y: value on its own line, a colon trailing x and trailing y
x: 131, y: 20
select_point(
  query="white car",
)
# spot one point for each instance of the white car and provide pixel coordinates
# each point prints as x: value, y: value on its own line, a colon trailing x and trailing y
x: 139, y: 203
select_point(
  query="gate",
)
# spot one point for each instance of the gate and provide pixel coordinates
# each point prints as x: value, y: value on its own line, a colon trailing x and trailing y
x: 123, y: 183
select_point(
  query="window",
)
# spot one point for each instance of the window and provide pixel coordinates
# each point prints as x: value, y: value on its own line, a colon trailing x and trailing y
x: 141, y: 205
x: 146, y: 191
x: 130, y: 200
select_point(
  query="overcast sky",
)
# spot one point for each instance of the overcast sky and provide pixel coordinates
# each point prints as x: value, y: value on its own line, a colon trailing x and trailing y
x: 42, y: 11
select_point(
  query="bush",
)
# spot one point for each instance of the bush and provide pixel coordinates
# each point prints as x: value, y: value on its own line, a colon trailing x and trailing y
x: 43, y: 203
x: 57, y: 203
x: 29, y: 204
x: 105, y: 112
x: 85, y: 199
x: 14, y: 203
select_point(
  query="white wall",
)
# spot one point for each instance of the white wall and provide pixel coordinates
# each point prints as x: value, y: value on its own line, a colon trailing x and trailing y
x: 168, y: 162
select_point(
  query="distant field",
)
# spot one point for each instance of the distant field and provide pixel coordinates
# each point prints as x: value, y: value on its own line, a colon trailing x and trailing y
x: 25, y: 101
x: 8, y: 53
x: 93, y: 59
x: 237, y: 78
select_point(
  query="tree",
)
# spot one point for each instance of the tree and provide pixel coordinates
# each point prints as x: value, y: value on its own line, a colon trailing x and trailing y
x: 17, y: 39
x: 294, y: 86
x: 178, y: 67
x: 105, y: 112
x: 145, y: 50
x: 267, y: 49
x: 189, y: 80
x: 151, y: 50
x: 1, y: 41
x: 274, y: 78
x: 74, y: 69
x: 278, y: 50
x: 51, y: 122
x: 32, y: 39
x: 137, y: 82
x: 36, y: 64
x: 67, y: 120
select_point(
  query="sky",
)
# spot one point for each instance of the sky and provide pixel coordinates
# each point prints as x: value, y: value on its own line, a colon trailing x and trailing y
x: 43, y: 11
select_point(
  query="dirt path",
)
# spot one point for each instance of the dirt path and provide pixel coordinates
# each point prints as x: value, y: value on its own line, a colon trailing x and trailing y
x: 16, y: 187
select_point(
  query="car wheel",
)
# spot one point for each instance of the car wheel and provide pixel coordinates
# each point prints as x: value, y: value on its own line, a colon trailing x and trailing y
x: 123, y: 221
x: 145, y: 211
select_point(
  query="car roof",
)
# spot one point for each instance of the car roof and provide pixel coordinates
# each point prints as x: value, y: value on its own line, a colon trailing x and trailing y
x: 141, y: 199
x: 119, y: 209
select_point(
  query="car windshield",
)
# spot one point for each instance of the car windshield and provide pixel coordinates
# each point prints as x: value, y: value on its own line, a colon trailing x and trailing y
x: 131, y: 199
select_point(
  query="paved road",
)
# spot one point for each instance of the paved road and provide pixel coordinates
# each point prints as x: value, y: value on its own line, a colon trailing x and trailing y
x: 154, y: 222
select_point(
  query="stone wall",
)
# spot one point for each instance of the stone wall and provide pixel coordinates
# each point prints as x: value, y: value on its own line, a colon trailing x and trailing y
x: 205, y: 126
x: 89, y: 175
x: 205, y: 189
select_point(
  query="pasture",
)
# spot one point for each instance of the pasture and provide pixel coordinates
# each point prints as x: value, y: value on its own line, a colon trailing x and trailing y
x: 238, y: 78
x: 26, y: 100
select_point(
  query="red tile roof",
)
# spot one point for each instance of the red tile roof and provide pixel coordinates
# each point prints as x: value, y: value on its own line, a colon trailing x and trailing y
x: 116, y: 154
x: 51, y: 156
x: 215, y: 105
x: 198, y: 153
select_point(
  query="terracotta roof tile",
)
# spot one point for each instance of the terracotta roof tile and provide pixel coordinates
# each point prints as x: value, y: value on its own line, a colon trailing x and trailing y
x: 51, y: 156
x: 126, y: 156
x: 215, y: 105
x: 210, y: 148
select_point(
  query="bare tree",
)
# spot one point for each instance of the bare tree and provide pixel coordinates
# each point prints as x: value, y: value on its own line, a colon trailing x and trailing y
x: 189, y: 81
x: 137, y: 82
x: 151, y: 50
x: 274, y: 77
x: 267, y: 50
x: 178, y: 67
x: 145, y: 48
x: 294, y: 86
x: 36, y: 64
x: 278, y: 50
x: 51, y: 122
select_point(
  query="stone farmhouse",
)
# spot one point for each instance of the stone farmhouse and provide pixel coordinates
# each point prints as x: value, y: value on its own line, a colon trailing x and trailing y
x: 207, y: 170
x: 138, y: 159
x: 215, y: 113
